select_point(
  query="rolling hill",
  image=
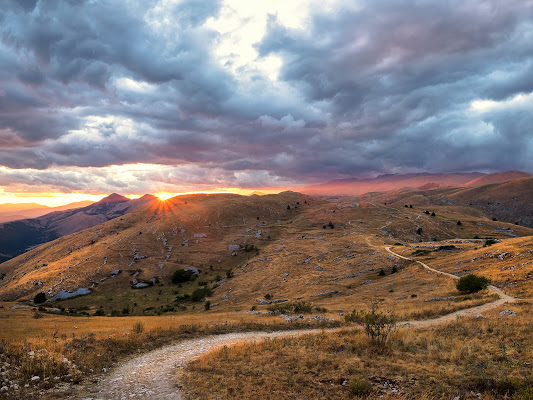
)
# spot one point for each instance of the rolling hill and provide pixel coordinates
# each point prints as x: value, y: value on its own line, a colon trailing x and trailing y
x: 18, y: 236
x: 287, y: 246
x: 12, y: 212
x: 421, y: 181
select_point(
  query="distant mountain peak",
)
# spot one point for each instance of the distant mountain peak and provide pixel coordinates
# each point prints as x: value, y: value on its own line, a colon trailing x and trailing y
x: 113, y: 198
x: 147, y: 197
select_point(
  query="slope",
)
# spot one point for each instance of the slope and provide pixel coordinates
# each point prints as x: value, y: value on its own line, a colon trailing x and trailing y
x: 16, y: 237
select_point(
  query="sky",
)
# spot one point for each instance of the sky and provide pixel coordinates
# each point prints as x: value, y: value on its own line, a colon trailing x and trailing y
x: 237, y: 95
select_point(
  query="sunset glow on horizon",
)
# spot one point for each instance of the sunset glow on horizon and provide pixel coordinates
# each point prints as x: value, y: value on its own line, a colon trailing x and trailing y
x: 236, y: 96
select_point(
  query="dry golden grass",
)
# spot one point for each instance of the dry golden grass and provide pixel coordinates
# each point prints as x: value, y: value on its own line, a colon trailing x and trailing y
x: 491, y: 355
x: 298, y: 258
x: 76, y: 348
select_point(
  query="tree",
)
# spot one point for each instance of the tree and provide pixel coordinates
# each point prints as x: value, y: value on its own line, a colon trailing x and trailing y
x: 472, y: 283
x: 459, y: 223
x: 180, y: 276
x: 39, y: 298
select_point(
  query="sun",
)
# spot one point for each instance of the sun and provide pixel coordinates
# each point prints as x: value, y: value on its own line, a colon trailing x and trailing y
x: 164, y: 195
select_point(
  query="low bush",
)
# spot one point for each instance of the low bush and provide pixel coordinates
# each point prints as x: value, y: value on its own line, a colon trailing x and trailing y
x: 472, y: 283
x: 201, y: 293
x: 359, y: 387
x: 298, y: 307
x: 39, y: 298
x: 181, y: 276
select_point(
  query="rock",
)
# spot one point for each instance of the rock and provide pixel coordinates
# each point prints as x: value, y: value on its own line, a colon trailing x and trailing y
x: 35, y: 378
x: 193, y: 270
x: 3, y: 389
x: 285, y: 274
x: 476, y: 316
x: 141, y: 285
x: 365, y: 282
x: 63, y: 294
x: 279, y: 300
x: 509, y: 313
x: 115, y: 272
x: 318, y: 268
x: 262, y: 302
x: 234, y: 247
x: 153, y: 280
x: 324, y: 294
x: 200, y: 235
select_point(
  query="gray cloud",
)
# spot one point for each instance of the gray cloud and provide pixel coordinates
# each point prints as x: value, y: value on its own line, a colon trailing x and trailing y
x: 384, y: 86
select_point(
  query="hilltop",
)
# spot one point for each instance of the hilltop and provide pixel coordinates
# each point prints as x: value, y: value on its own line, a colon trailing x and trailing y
x: 19, y: 236
x: 414, y: 181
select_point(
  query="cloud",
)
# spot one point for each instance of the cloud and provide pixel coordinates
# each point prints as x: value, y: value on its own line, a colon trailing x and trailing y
x: 219, y: 93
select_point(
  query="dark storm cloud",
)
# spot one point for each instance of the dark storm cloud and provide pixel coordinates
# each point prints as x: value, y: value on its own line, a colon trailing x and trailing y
x: 370, y: 87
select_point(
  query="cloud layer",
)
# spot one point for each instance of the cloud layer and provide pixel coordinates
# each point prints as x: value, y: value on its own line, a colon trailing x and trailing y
x: 347, y: 88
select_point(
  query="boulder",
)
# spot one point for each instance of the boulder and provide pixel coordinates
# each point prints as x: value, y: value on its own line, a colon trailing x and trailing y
x: 64, y: 294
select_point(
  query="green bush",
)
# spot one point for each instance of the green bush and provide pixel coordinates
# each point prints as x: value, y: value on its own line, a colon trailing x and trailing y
x: 200, y: 293
x: 472, y: 283
x: 180, y: 276
x: 489, y: 242
x: 359, y: 387
x: 299, y: 307
x: 39, y: 298
x: 377, y: 325
x: 138, y: 327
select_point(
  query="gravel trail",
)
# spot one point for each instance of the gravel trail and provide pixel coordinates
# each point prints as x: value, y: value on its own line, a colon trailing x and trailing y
x: 153, y: 375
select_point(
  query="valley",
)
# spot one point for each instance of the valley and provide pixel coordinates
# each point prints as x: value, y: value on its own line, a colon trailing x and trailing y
x: 259, y: 263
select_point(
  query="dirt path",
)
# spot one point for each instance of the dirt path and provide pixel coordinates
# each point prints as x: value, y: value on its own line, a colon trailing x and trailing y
x: 504, y: 298
x: 153, y: 374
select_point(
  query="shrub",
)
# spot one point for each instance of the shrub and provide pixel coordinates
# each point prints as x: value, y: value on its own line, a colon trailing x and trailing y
x: 394, y: 269
x: 180, y: 276
x: 99, y: 313
x: 433, y: 214
x: 359, y: 387
x: 419, y: 231
x: 472, y: 283
x: 268, y: 296
x: 207, y: 305
x: 381, y: 273
x: 200, y: 293
x: 138, y: 327
x: 39, y: 298
x: 489, y: 242
x: 229, y: 274
x: 299, y: 307
x: 459, y: 223
x: 377, y: 325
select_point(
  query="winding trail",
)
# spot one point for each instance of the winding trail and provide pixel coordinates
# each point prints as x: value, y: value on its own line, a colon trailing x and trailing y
x: 154, y: 374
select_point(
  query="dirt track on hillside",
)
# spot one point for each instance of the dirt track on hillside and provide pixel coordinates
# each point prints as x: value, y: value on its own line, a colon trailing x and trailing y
x: 154, y: 374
